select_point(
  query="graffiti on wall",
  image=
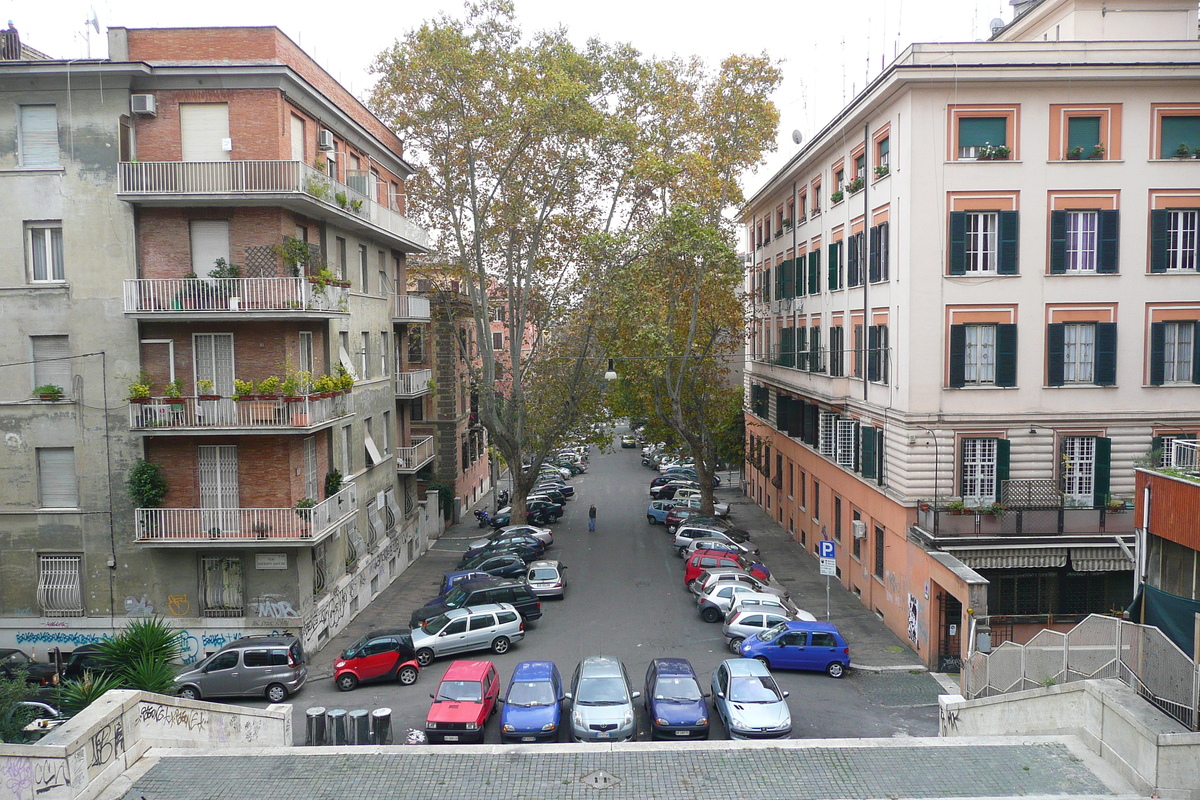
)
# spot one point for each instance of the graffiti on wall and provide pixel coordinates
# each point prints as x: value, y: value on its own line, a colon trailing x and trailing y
x: 913, y: 615
x: 272, y: 605
x: 138, y: 607
x: 72, y: 639
x: 178, y: 605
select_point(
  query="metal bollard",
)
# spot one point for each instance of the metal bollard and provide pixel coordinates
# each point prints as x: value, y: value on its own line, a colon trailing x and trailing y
x: 360, y: 726
x: 381, y: 726
x: 314, y: 726
x: 336, y: 730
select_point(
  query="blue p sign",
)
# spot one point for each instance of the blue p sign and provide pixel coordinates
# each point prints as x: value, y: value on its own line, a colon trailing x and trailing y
x: 826, y: 549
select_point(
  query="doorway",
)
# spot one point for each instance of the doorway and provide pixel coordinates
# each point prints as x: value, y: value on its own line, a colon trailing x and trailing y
x: 949, y: 654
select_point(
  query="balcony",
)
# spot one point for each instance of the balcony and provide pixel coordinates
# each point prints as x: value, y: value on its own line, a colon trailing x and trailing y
x: 233, y: 298
x: 216, y: 527
x: 291, y: 184
x: 199, y: 416
x: 409, y: 308
x: 1025, y: 522
x: 411, y: 459
x: 413, y: 383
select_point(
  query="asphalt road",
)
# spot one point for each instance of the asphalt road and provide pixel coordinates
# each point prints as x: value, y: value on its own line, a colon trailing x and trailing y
x: 625, y: 597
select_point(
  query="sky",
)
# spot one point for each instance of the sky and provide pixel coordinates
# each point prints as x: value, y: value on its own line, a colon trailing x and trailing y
x: 829, y: 49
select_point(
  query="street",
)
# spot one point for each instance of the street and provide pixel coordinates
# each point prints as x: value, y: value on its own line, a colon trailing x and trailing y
x: 625, y: 597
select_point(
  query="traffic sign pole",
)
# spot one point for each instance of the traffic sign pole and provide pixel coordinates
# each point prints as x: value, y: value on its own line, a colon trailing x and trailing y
x: 827, y: 550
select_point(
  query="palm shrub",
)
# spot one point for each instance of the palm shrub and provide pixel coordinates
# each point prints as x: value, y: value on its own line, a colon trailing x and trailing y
x: 76, y: 695
x: 140, y: 656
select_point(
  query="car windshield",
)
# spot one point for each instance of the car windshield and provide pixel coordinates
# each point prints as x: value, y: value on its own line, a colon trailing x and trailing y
x: 352, y: 650
x: 543, y: 574
x: 528, y: 694
x: 460, y: 691
x: 770, y: 633
x: 456, y: 597
x: 601, y: 692
x: 435, y: 624
x: 16, y: 657
x: 677, y: 689
x: 754, y: 689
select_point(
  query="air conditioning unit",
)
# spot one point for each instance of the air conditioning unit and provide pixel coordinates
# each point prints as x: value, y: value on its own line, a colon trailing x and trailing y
x: 325, y: 140
x: 859, y: 528
x: 144, y: 104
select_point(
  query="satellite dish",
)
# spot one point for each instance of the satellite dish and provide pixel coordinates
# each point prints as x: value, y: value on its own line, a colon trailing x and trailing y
x: 93, y: 20
x: 996, y: 24
x: 797, y: 137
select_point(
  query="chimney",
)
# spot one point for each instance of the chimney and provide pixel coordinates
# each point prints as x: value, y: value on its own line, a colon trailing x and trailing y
x: 10, y: 44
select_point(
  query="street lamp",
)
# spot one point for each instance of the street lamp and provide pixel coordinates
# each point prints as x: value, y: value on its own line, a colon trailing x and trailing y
x: 611, y: 374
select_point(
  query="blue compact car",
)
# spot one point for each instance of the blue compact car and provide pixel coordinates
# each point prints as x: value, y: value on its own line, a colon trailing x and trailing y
x: 533, y: 704
x: 656, y: 512
x: 800, y: 645
x: 674, y: 701
x: 452, y: 579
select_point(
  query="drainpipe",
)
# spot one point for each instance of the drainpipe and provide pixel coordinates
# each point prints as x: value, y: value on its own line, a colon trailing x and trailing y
x: 865, y: 258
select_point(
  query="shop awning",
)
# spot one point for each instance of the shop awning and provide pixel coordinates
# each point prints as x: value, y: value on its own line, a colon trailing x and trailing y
x: 1025, y: 558
x: 1099, y: 559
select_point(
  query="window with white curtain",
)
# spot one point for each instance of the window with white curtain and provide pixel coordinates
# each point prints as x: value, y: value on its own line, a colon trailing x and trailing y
x: 1079, y: 352
x: 1177, y: 351
x: 46, y: 252
x: 980, y: 361
x: 1079, y: 468
x: 978, y: 471
x: 983, y: 231
x: 1081, y: 241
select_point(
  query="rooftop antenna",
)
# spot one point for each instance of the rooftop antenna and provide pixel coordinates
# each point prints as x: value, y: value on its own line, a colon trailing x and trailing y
x: 94, y: 22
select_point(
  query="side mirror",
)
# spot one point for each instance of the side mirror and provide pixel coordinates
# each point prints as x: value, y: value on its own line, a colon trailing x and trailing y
x: 431, y: 695
x: 499, y: 701
x: 636, y: 695
x: 721, y: 695
x: 786, y: 693
x: 568, y: 695
x: 706, y: 695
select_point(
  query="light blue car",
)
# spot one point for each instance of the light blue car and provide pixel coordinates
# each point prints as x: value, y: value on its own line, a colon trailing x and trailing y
x: 656, y: 512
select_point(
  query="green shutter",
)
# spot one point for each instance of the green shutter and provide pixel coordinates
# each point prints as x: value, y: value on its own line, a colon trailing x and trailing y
x: 1058, y: 242
x: 1106, y: 353
x: 873, y: 259
x: 852, y: 278
x: 1108, y: 242
x: 885, y: 250
x: 767, y: 285
x: 1196, y: 352
x: 958, y: 355
x: 868, y: 451
x: 1100, y: 477
x: 1083, y: 132
x: 800, y: 279
x: 1158, y: 351
x: 1003, y: 457
x: 1158, y: 241
x: 816, y: 360
x: 1055, y: 347
x: 1006, y: 355
x: 787, y: 347
x: 812, y: 419
x: 873, y: 353
x: 958, y: 243
x: 1009, y: 238
x: 786, y: 284
x: 802, y: 348
x: 814, y: 272
x: 978, y: 131
x: 779, y: 281
x: 834, y: 256
x: 1177, y: 131
x: 879, y: 476
x: 795, y: 418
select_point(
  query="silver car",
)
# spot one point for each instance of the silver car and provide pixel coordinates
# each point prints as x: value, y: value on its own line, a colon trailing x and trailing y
x: 601, y: 702
x: 546, y: 579
x: 494, y: 627
x: 749, y: 702
x: 543, y: 535
x: 715, y: 604
x: 271, y: 666
x: 747, y: 620
x: 721, y: 574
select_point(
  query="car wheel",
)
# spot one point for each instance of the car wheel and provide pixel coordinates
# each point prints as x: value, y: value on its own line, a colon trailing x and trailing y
x: 835, y: 669
x: 407, y: 676
x: 189, y: 693
x: 710, y: 614
x: 424, y: 656
x: 682, y: 552
x: 735, y: 645
x: 651, y: 519
x: 763, y: 660
x: 346, y: 681
x: 671, y: 529
x: 500, y: 645
x: 277, y: 693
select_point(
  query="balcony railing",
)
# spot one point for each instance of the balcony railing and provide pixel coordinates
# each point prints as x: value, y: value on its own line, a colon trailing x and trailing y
x: 411, y: 459
x: 195, y: 413
x: 1026, y: 522
x: 165, y: 178
x: 413, y: 383
x: 247, y: 296
x: 1184, y: 454
x: 410, y: 307
x: 206, y: 525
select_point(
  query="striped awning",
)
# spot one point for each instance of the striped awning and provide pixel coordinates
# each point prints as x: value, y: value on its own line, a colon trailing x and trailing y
x: 1025, y: 558
x: 1100, y: 559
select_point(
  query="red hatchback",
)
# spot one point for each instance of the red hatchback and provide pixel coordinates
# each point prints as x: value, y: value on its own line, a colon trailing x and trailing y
x: 378, y: 656
x: 464, y: 700
x: 709, y: 559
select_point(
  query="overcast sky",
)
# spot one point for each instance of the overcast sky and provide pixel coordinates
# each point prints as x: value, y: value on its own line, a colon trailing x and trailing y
x: 830, y: 48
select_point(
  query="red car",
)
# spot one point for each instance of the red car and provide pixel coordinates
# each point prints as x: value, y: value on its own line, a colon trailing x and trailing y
x: 464, y: 700
x: 379, y: 656
x: 708, y: 559
x: 677, y: 515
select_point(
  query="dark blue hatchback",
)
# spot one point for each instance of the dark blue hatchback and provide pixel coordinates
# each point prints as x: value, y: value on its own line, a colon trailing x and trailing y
x: 533, y: 704
x: 674, y: 701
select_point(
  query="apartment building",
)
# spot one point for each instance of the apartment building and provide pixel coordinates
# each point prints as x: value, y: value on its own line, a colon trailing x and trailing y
x: 207, y: 253
x: 975, y: 309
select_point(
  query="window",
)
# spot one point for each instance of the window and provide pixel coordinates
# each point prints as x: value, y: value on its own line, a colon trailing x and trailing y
x: 416, y: 410
x: 1174, y: 240
x: 839, y: 180
x: 880, y: 246
x: 877, y: 355
x: 1174, y: 352
x: 497, y: 340
x: 340, y: 250
x: 51, y: 362
x: 37, y: 138
x: 827, y: 434
x: 879, y: 547
x: 983, y: 469
x: 816, y: 500
x: 58, y: 486
x: 983, y: 242
x: 1082, y: 353
x: 882, y: 150
x: 854, y: 259
x: 385, y: 433
x: 858, y: 351
x: 305, y: 352
x: 980, y: 362
x: 857, y: 544
x: 847, y: 443
x: 1178, y: 133
x: 803, y: 489
x: 1078, y: 469
x: 363, y: 269
x: 364, y: 356
x: 58, y: 591
x: 837, y: 518
x: 860, y: 167
x: 383, y: 353
x: 347, y: 453
x: 1082, y: 133
x: 46, y: 251
x: 373, y: 456
x: 816, y: 361
x: 983, y: 355
x: 221, y: 587
x: 834, y: 257
x: 816, y: 197
x: 837, y: 346
x: 814, y: 272
x: 1083, y: 242
x: 975, y: 133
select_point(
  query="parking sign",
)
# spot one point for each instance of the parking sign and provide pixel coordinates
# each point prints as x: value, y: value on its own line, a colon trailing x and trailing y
x: 826, y: 548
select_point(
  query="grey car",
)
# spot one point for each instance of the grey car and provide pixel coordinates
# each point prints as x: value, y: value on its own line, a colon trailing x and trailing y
x: 715, y: 604
x: 747, y: 620
x: 546, y: 578
x: 601, y: 702
x: 270, y: 666
x: 494, y: 626
x: 749, y: 702
x: 711, y: 577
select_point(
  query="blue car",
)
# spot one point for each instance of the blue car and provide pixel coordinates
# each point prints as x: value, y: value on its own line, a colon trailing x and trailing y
x: 452, y: 579
x: 674, y: 701
x: 800, y: 645
x: 656, y: 512
x: 533, y: 704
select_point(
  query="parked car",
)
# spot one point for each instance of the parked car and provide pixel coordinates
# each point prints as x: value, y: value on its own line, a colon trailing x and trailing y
x: 546, y: 579
x: 747, y: 620
x: 461, y: 630
x: 701, y: 560
x: 771, y: 601
x: 535, y: 511
x: 558, y: 484
x: 14, y: 662
x: 557, y: 500
x: 628, y: 440
x: 452, y: 579
x: 601, y: 702
x: 674, y: 701
x: 383, y: 655
x: 272, y: 666
x: 83, y: 659
x: 710, y: 545
x: 694, y: 501
x: 671, y: 463
x: 801, y: 645
x: 686, y: 533
x: 522, y: 540
x: 481, y: 592
x: 464, y: 701
x: 690, y: 473
x: 524, y: 552
x: 677, y: 516
x: 532, y: 705
x: 749, y: 702
x: 551, y: 493
x: 656, y: 512
x: 714, y: 604
x: 543, y: 535
x: 668, y: 489
x: 710, y: 578
x: 499, y: 564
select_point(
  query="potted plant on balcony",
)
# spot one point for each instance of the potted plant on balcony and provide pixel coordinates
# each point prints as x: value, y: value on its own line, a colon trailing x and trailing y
x: 881, y: 170
x: 993, y: 510
x: 958, y: 507
x: 836, y: 196
x: 333, y: 483
x: 139, y: 389
x: 147, y: 489
x: 341, y: 199
x: 1097, y: 152
x: 269, y: 387
x: 324, y: 386
x: 356, y: 206
x: 345, y: 381
x: 1075, y: 153
x: 204, y: 388
x: 855, y: 185
x: 1183, y: 151
x: 243, y: 390
x: 48, y: 391
x: 174, y: 393
x: 1115, y: 505
x: 261, y: 529
x: 304, y: 508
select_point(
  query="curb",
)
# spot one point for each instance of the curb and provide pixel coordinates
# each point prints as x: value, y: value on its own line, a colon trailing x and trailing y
x: 890, y: 668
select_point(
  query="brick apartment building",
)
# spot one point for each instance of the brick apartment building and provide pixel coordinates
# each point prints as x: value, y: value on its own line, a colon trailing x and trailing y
x: 209, y: 225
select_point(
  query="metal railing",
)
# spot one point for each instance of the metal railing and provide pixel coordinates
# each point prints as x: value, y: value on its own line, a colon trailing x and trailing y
x: 245, y: 295
x: 1024, y: 521
x: 413, y: 383
x: 261, y: 177
x: 409, y: 306
x: 269, y: 524
x: 1099, y: 647
x: 189, y: 413
x: 410, y: 459
x: 1185, y: 454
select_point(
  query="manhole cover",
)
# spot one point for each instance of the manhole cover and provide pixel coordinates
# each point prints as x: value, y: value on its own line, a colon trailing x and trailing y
x: 599, y: 779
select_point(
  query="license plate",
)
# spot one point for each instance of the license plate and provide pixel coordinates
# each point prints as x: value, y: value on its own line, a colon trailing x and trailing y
x: 681, y: 733
x: 603, y: 735
x: 528, y: 739
x: 450, y: 738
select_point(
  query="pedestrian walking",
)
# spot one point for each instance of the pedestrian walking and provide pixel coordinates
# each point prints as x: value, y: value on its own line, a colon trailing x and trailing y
x: 592, y: 517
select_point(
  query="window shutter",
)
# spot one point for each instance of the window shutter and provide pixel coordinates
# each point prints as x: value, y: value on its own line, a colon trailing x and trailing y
x: 1156, y: 443
x: 958, y: 355
x: 202, y: 127
x: 852, y: 261
x: 1009, y: 233
x: 788, y: 275
x: 1196, y: 352
x: 56, y: 477
x: 958, y: 243
x: 800, y: 281
x: 1055, y: 339
x: 1108, y: 242
x: 1103, y: 466
x: 873, y: 353
x: 835, y: 262
x: 978, y: 131
x: 884, y: 250
x: 815, y: 360
x: 868, y: 452
x: 811, y: 423
x: 1158, y: 241
x: 1006, y: 354
x: 814, y: 272
x: 795, y: 418
x: 1158, y: 349
x: 766, y: 286
x: 802, y: 348
x: 787, y: 347
x: 882, y: 353
x: 879, y: 476
x: 51, y: 365
x: 1106, y: 353
x: 1058, y: 242
x: 781, y: 410
x: 779, y: 281
x: 873, y: 269
x: 39, y: 136
x: 1083, y: 132
x: 1003, y: 450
